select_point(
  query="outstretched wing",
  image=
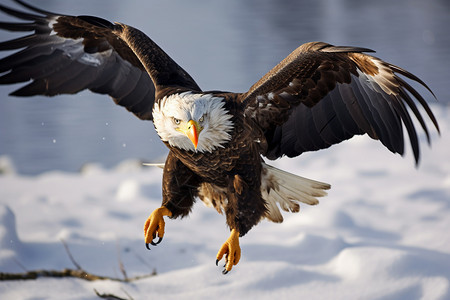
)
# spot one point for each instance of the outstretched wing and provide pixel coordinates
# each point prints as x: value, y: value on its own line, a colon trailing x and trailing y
x: 67, y: 54
x: 321, y: 95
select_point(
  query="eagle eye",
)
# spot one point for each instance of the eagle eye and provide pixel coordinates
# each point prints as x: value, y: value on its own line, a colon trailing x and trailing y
x: 176, y: 121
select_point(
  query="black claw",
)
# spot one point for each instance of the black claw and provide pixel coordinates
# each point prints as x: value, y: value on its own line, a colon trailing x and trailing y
x: 147, y: 246
x: 217, y: 262
x: 224, y: 272
x: 155, y: 244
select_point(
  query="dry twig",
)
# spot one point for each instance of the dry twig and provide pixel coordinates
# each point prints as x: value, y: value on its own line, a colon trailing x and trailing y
x: 111, y: 296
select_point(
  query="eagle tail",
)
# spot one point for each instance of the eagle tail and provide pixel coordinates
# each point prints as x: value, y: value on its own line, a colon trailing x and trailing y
x: 287, y: 190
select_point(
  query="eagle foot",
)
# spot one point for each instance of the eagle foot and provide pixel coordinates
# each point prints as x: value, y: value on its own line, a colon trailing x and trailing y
x: 231, y: 250
x: 154, y: 226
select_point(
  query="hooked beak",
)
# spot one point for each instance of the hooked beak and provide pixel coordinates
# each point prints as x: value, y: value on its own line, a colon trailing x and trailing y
x: 192, y: 131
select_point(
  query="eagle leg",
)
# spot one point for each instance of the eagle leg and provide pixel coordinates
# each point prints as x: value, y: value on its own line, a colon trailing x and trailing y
x: 231, y: 250
x: 155, y: 226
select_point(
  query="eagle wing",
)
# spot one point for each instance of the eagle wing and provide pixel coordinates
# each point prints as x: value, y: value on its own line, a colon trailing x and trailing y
x: 68, y: 54
x: 321, y: 95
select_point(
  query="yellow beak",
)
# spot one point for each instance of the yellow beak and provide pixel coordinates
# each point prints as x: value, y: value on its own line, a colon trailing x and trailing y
x: 192, y: 131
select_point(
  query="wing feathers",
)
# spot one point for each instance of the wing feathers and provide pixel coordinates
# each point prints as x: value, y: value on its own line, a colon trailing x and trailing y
x: 421, y: 101
x: 40, y: 68
x: 29, y: 40
x: 17, y: 26
x: 349, y: 95
x: 125, y: 88
x: 409, y: 75
x: 324, y: 47
x: 20, y: 14
x: 66, y: 54
x: 35, y: 9
x: 87, y: 52
x: 321, y: 95
x: 323, y: 120
x: 97, y: 21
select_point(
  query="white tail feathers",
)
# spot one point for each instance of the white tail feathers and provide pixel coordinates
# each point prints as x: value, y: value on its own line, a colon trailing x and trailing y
x: 286, y: 189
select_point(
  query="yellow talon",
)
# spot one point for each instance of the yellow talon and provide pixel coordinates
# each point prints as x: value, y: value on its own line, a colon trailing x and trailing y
x: 154, y: 226
x: 231, y: 250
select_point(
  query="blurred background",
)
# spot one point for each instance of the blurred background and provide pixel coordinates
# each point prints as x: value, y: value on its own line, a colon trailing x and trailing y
x: 224, y: 45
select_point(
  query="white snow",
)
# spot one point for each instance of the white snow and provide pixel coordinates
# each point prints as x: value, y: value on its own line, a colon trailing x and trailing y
x: 381, y: 233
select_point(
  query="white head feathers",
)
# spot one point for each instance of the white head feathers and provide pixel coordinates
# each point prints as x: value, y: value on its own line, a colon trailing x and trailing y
x: 205, y: 109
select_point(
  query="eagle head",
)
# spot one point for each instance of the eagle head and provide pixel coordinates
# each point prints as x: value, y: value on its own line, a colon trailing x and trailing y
x: 193, y: 122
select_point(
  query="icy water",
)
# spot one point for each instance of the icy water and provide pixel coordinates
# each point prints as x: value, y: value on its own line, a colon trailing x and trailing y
x: 224, y: 45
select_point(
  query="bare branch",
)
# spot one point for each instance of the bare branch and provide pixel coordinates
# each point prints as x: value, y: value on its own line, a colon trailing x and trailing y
x: 119, y: 258
x: 70, y: 255
x: 111, y: 296
x: 19, y: 264
x: 81, y: 274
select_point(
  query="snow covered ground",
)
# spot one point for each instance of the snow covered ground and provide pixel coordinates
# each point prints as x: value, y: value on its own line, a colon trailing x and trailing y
x: 381, y: 233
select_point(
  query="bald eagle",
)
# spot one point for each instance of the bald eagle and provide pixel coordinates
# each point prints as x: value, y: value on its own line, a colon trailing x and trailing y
x: 317, y: 96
